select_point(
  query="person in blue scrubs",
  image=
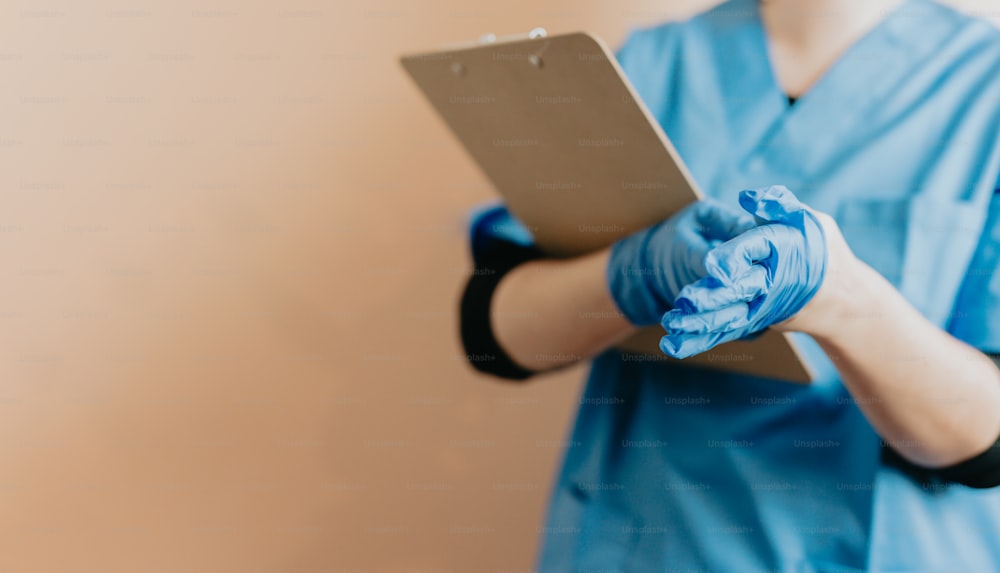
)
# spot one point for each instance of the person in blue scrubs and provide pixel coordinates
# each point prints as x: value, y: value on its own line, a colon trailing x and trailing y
x: 889, y: 461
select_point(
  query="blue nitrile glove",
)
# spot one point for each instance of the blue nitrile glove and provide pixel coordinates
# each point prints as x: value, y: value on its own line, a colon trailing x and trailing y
x: 647, y: 269
x: 760, y: 278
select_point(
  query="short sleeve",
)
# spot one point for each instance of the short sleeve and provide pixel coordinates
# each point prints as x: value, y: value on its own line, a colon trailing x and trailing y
x: 649, y: 57
x: 491, y: 224
x: 976, y: 315
x: 644, y: 45
x: 622, y: 51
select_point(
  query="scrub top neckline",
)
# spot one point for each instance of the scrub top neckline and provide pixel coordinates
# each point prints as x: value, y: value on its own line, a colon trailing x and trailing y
x: 778, y: 138
x: 830, y: 72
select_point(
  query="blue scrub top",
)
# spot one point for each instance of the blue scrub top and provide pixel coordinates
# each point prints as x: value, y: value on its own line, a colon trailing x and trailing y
x: 676, y: 469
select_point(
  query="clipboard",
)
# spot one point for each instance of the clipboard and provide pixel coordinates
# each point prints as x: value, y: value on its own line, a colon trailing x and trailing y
x: 554, y: 124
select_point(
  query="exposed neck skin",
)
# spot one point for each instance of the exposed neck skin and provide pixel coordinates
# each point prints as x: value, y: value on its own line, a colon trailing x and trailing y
x: 806, y: 36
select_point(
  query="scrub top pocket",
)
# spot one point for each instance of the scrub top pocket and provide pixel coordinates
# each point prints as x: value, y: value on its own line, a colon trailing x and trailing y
x: 921, y: 244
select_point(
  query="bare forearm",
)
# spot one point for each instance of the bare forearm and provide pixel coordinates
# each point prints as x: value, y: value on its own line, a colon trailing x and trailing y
x: 547, y: 313
x: 935, y: 399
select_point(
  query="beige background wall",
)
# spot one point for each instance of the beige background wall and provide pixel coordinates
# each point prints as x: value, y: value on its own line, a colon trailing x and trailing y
x: 231, y: 243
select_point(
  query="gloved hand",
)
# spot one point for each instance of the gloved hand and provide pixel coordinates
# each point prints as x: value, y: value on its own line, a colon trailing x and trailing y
x: 760, y: 278
x: 647, y: 269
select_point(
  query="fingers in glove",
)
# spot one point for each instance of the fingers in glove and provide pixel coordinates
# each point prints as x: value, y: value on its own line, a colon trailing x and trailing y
x: 723, y: 319
x: 710, y: 294
x: 716, y: 222
x: 685, y: 345
x: 735, y: 258
x: 774, y: 204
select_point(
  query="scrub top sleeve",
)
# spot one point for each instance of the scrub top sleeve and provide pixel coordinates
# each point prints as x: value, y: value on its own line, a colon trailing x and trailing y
x: 492, y: 224
x: 640, y: 50
x: 622, y: 51
x: 499, y: 243
x: 976, y: 315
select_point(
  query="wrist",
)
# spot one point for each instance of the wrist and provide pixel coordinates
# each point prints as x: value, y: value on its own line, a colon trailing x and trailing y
x: 849, y: 294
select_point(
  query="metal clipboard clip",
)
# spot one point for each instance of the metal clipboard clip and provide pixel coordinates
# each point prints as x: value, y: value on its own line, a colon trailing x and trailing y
x: 534, y: 34
x: 490, y: 39
x: 487, y: 39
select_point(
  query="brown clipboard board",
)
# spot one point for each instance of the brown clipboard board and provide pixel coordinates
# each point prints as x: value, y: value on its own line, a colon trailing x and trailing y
x: 554, y: 124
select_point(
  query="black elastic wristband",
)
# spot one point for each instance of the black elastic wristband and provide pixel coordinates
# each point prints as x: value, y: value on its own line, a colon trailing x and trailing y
x: 482, y: 350
x: 982, y: 471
